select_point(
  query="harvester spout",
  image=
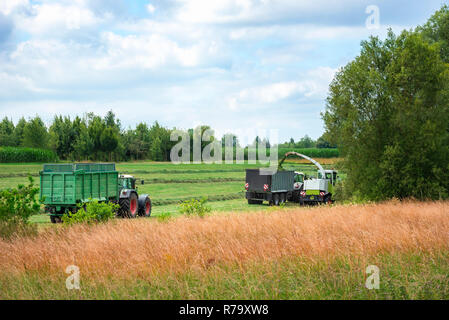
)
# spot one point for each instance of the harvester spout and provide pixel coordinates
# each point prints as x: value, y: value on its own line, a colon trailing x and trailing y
x: 320, y: 168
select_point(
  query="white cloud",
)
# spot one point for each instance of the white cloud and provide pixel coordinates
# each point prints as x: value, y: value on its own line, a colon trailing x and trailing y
x: 148, y: 51
x: 151, y: 8
x: 8, y: 6
x: 50, y: 18
x: 315, y: 84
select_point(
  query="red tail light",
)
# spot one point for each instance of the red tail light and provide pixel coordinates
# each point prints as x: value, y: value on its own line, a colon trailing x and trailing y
x: 247, y: 186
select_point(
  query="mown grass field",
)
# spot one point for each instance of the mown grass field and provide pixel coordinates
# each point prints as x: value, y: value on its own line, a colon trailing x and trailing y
x: 168, y: 184
x: 290, y: 253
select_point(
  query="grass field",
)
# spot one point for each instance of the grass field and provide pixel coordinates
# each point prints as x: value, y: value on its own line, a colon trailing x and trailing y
x: 292, y: 253
x: 168, y: 184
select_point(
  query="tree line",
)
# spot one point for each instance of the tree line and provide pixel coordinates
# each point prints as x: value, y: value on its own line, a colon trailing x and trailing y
x: 307, y: 142
x: 90, y: 137
x: 96, y: 138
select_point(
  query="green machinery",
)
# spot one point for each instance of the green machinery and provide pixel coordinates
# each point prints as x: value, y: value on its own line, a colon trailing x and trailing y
x: 66, y: 187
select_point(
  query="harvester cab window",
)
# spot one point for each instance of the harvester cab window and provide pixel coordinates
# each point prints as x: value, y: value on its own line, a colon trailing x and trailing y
x: 299, y: 178
x: 335, y: 177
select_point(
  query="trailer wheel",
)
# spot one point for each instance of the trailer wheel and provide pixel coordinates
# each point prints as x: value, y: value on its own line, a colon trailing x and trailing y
x: 144, y: 206
x: 55, y: 219
x: 276, y: 199
x: 282, y: 197
x: 129, y: 206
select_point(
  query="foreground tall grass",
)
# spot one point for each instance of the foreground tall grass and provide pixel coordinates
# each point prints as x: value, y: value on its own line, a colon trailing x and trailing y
x: 298, y: 253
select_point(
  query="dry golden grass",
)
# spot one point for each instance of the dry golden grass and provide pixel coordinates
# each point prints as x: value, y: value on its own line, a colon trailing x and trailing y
x: 144, y: 247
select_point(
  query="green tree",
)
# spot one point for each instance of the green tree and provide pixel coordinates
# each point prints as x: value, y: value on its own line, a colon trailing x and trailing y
x: 63, y: 133
x: 109, y: 141
x: 437, y: 30
x: 323, y: 142
x: 83, y: 144
x: 95, y: 128
x: 18, y: 131
x: 388, y: 111
x: 35, y: 134
x: 142, y: 141
x: 156, y: 150
x: 305, y: 142
x: 7, y: 137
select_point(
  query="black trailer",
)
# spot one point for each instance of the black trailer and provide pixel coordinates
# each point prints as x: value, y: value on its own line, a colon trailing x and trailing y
x: 275, y: 187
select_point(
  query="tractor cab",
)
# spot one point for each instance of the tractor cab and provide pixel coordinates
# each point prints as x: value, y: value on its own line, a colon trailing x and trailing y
x: 331, y: 175
x: 126, y: 181
x: 299, y: 180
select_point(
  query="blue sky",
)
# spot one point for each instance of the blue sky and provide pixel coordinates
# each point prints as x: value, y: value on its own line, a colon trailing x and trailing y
x: 232, y: 64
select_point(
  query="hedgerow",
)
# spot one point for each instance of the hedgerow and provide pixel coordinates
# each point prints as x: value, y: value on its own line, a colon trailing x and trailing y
x: 16, y: 154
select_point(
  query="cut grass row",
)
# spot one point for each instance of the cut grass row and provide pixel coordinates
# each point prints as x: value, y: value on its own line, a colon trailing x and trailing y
x: 151, y: 167
x: 218, y: 207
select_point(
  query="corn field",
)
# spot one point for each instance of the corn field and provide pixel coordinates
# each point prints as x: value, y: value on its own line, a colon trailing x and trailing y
x: 16, y: 154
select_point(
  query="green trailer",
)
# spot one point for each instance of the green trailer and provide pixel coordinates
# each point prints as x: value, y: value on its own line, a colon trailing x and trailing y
x: 66, y: 187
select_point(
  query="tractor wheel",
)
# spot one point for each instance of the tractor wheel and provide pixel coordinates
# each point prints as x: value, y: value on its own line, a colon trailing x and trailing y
x: 283, y: 197
x: 129, y: 206
x: 144, y: 206
x: 55, y: 219
x: 276, y: 199
x: 328, y: 200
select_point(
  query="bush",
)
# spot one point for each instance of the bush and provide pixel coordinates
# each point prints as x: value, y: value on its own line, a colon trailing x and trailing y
x: 195, y: 207
x: 14, y: 154
x: 16, y: 207
x: 164, y: 216
x: 92, y: 212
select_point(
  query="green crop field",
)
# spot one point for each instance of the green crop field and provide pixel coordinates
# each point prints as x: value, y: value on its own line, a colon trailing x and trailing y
x: 169, y: 184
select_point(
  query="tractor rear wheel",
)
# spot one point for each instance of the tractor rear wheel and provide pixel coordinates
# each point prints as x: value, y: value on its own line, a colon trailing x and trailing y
x: 144, y: 206
x: 129, y: 206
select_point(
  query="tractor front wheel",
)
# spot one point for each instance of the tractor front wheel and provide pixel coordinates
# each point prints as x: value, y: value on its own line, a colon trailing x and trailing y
x: 144, y: 206
x: 328, y: 200
x: 129, y: 206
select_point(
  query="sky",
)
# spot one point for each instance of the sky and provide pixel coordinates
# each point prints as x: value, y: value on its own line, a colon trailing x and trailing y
x: 236, y: 65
